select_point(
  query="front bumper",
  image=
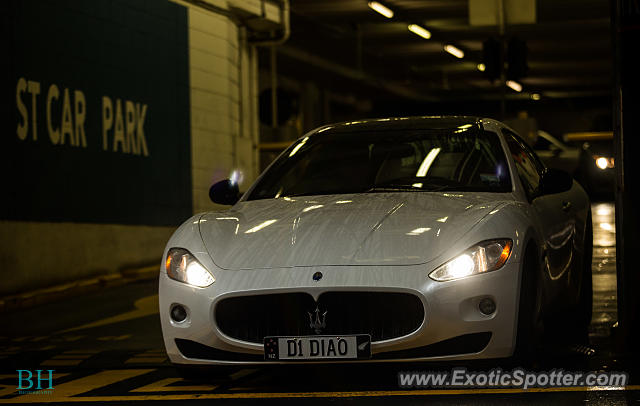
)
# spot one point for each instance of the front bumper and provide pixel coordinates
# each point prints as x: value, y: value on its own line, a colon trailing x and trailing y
x: 451, y: 313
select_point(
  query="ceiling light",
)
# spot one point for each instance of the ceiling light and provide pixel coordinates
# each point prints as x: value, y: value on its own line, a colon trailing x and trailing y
x: 385, y: 11
x: 481, y: 67
x: 514, y: 85
x: 535, y: 96
x: 457, y: 52
x: 418, y: 30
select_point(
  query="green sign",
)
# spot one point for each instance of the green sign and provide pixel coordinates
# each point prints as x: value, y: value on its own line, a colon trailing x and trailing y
x: 96, y: 112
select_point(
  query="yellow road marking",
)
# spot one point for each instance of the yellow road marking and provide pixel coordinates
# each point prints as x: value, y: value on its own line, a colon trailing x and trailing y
x: 67, y: 390
x: 83, y: 352
x: 145, y: 360
x: 55, y: 397
x: 72, y: 338
x: 149, y: 356
x: 244, y: 388
x: 72, y: 356
x: 241, y: 374
x: 67, y: 358
x: 163, y: 386
x: 7, y: 389
x: 145, y: 306
x: 115, y: 338
x: 61, y: 362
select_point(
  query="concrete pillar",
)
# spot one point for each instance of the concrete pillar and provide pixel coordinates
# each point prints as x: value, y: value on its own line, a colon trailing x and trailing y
x: 626, y: 36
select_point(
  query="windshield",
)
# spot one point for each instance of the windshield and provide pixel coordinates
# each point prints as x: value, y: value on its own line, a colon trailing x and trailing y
x: 379, y: 161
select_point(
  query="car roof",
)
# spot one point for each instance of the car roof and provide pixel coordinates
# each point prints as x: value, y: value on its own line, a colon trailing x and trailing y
x: 405, y: 123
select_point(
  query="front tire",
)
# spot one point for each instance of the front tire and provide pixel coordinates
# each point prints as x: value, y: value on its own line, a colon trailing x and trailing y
x: 530, y: 327
x: 584, y: 309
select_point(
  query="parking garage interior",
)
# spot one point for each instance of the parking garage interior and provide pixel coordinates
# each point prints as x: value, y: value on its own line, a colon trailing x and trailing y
x: 120, y: 115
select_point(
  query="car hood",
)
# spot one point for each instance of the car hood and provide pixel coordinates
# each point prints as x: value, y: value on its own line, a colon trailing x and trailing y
x: 363, y: 229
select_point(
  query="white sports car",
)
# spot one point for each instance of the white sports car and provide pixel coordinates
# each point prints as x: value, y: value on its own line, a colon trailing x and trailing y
x: 402, y: 239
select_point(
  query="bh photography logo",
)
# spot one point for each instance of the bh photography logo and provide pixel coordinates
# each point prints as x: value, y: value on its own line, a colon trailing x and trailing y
x: 38, y: 382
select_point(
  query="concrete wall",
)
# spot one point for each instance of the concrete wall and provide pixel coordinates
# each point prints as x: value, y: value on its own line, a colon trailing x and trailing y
x: 38, y: 254
x: 222, y: 69
x: 37, y: 248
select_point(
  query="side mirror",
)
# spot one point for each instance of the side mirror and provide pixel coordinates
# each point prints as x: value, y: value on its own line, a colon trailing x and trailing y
x: 224, y: 192
x: 555, y: 181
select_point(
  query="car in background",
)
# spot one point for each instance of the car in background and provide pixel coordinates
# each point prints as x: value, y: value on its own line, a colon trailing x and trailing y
x: 596, y: 169
x: 397, y: 239
x: 556, y: 154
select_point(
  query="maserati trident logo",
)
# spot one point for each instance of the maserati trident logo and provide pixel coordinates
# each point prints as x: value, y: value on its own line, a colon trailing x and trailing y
x: 317, y: 320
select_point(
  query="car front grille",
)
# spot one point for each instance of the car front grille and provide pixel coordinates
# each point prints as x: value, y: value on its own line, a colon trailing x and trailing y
x: 383, y: 315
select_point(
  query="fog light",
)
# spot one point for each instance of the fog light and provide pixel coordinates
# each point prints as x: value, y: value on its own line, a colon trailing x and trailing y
x: 602, y: 163
x: 178, y: 313
x: 487, y: 306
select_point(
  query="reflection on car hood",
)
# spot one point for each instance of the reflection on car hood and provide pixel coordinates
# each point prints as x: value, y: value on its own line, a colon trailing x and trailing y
x: 358, y: 229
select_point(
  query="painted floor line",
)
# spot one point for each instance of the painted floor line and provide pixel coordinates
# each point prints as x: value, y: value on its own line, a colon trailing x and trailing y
x: 145, y: 306
x: 164, y: 385
x: 206, y: 396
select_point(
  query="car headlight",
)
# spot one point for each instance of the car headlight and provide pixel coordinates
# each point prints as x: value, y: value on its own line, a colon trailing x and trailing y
x: 484, y: 257
x: 603, y: 162
x: 182, y: 266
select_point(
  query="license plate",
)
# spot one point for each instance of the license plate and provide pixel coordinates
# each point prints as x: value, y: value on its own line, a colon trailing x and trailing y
x: 317, y: 347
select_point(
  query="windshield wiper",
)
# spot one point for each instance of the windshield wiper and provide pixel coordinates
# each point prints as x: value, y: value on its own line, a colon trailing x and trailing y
x: 407, y: 188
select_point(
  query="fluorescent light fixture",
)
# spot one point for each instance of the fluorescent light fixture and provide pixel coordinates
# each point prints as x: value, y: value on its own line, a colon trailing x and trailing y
x: 535, y: 96
x: 481, y: 67
x: 514, y: 85
x: 426, y: 163
x: 418, y: 30
x: 385, y: 11
x: 453, y: 50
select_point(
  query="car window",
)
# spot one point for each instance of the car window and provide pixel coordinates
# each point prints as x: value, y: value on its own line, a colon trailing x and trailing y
x: 528, y: 165
x: 542, y: 144
x: 546, y: 141
x: 369, y: 161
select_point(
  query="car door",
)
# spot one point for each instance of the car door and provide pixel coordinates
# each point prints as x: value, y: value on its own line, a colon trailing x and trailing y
x: 554, y: 214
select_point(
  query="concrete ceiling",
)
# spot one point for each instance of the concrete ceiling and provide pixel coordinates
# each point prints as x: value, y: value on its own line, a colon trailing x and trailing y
x: 569, y: 48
